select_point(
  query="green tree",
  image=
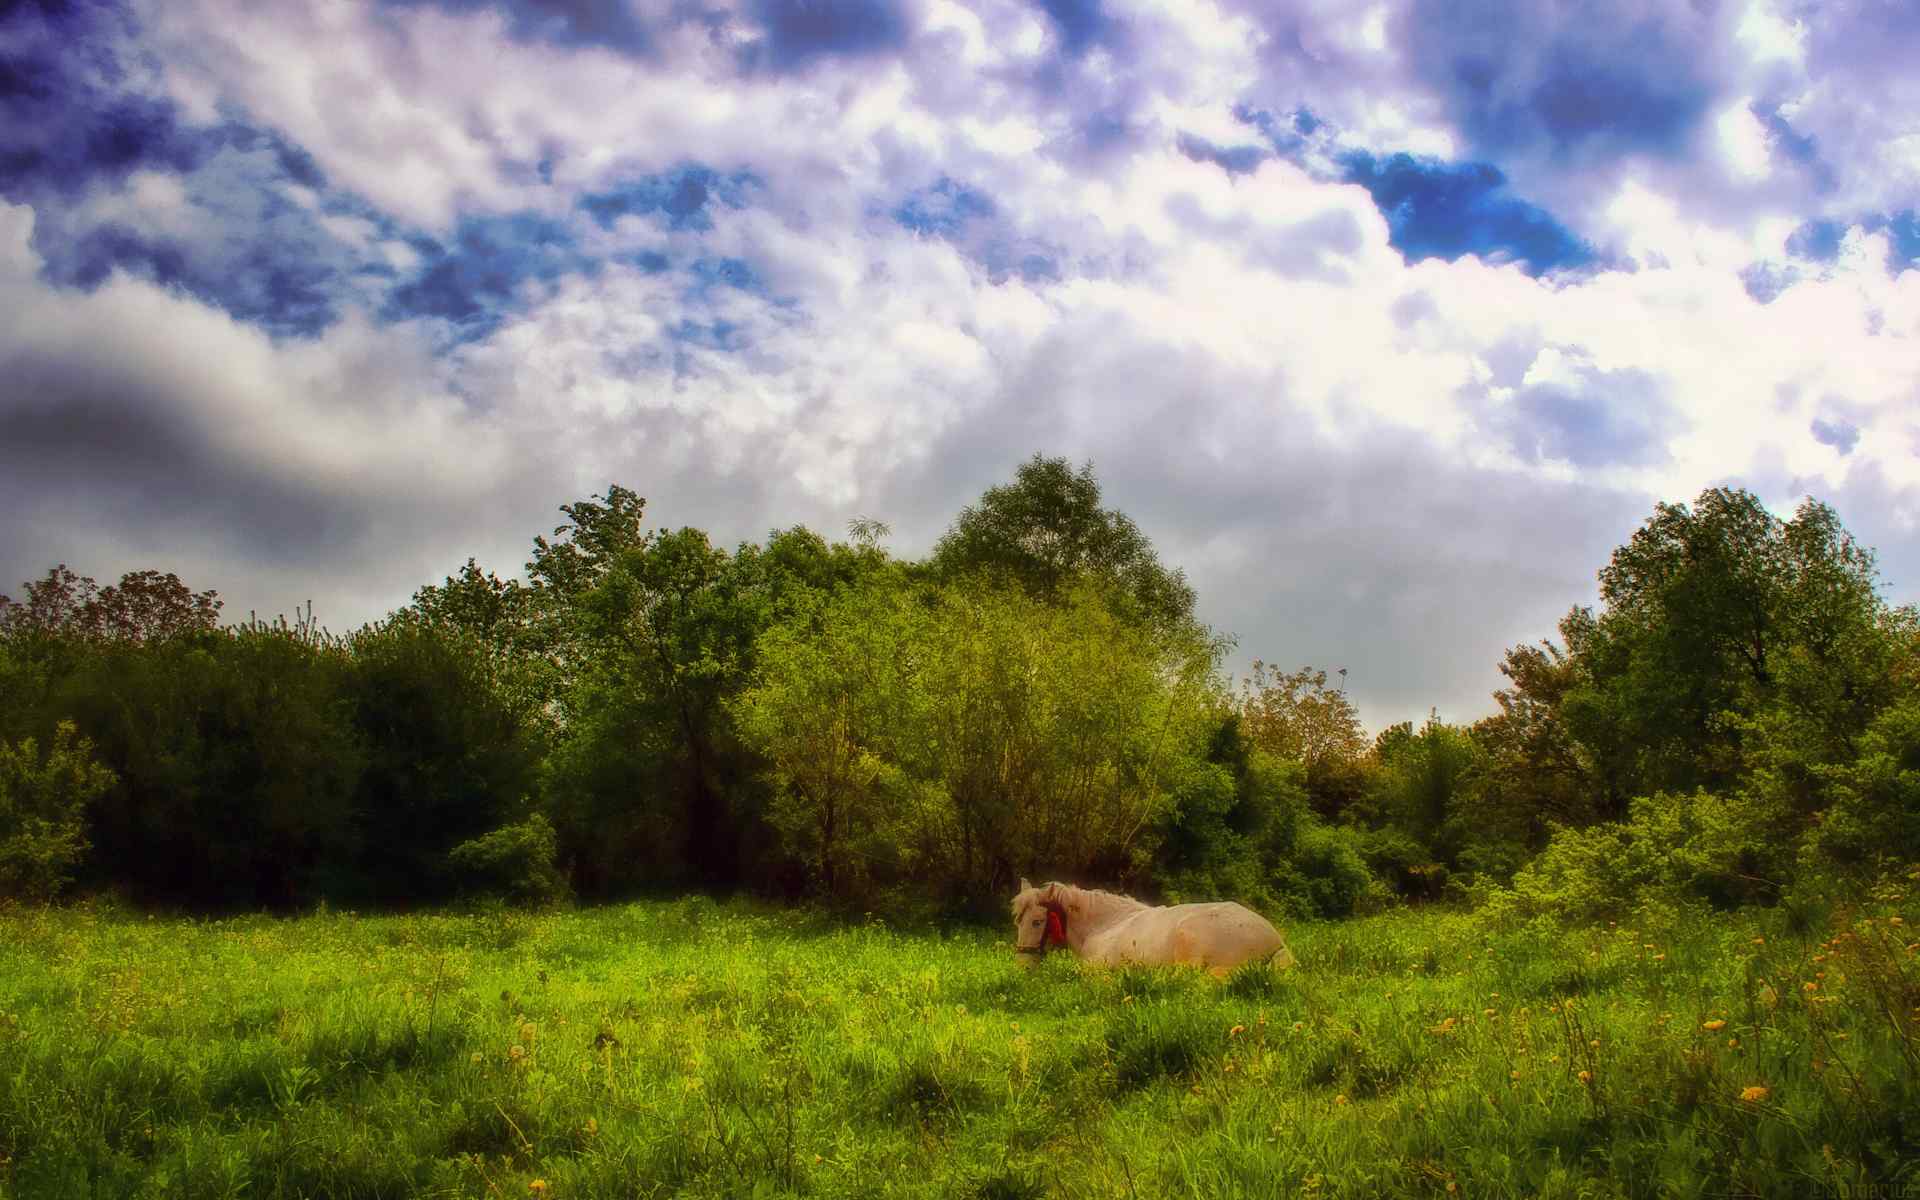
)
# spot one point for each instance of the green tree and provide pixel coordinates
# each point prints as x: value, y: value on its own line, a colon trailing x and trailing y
x: 833, y: 690
x: 450, y: 752
x: 1296, y: 716
x: 1046, y: 529
x: 43, y: 806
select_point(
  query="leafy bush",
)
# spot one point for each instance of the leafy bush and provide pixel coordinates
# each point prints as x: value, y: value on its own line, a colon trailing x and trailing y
x: 1699, y: 846
x: 515, y: 861
x: 43, y: 812
x: 1326, y: 875
x: 1875, y: 809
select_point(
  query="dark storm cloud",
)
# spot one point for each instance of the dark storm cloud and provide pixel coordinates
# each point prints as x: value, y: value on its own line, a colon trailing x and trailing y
x: 1596, y: 418
x: 100, y: 444
x: 612, y: 24
x: 1839, y: 433
x: 1081, y: 24
x: 1520, y: 76
x: 800, y: 32
x: 68, y: 120
x: 1379, y: 552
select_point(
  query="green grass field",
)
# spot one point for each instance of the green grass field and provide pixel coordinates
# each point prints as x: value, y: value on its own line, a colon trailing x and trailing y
x: 689, y: 1048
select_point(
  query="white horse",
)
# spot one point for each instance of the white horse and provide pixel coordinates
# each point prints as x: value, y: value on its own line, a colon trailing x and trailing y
x: 1103, y: 927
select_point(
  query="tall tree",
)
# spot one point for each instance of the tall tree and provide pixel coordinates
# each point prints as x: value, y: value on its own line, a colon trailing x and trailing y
x: 1046, y: 529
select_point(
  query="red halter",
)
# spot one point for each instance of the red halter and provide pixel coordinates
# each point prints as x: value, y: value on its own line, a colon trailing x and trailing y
x: 1056, y: 928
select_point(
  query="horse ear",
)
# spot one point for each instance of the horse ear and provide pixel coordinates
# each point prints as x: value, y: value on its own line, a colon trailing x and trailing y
x: 1024, y: 885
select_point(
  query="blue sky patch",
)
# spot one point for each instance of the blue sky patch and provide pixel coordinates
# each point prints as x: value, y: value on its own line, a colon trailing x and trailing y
x: 944, y: 209
x: 473, y: 280
x: 682, y: 196
x: 1438, y: 209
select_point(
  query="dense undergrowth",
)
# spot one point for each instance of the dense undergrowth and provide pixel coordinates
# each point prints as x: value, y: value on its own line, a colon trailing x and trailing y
x: 689, y: 1048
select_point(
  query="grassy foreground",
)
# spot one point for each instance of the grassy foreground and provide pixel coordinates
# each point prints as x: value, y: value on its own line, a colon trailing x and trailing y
x: 706, y: 1050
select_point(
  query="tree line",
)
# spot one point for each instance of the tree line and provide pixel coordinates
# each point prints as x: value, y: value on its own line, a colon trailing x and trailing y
x: 645, y: 711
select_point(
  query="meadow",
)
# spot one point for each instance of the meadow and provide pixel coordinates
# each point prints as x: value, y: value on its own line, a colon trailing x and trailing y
x: 703, y: 1049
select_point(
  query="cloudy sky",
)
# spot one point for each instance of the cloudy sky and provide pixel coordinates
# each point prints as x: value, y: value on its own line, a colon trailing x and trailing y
x: 1386, y: 322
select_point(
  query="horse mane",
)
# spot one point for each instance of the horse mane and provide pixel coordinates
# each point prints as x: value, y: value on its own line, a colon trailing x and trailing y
x: 1102, y: 903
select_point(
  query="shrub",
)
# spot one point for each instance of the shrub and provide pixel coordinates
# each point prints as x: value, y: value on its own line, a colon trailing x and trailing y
x: 1326, y: 875
x: 43, y: 812
x: 1672, y: 848
x: 515, y: 861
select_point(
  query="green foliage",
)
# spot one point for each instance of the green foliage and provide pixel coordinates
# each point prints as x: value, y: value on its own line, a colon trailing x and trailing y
x: 236, y: 762
x: 450, y: 753
x: 1327, y: 875
x: 1673, y: 848
x: 43, y: 804
x: 515, y: 861
x: 1046, y: 532
x: 1874, y: 816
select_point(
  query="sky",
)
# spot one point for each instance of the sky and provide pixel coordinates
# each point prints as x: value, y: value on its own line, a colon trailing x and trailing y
x: 1386, y: 323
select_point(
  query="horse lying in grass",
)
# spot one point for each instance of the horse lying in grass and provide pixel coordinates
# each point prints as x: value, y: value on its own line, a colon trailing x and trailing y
x: 1103, y: 927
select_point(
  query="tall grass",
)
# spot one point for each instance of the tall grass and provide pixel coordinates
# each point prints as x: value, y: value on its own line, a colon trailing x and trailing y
x: 690, y: 1048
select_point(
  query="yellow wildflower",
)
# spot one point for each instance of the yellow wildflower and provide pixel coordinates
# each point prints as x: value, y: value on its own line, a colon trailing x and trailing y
x: 1754, y: 1095
x: 1236, y: 1031
x: 538, y: 1187
x: 1809, y: 986
x: 1340, y: 1099
x: 1585, y: 1077
x: 1714, y: 1026
x: 1489, y: 1012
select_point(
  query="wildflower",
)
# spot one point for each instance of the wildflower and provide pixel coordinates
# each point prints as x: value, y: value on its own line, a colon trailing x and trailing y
x: 1660, y: 957
x: 1754, y: 1095
x: 1714, y: 1026
x: 1126, y: 999
x: 1734, y: 1043
x: 1585, y: 1077
x: 538, y: 1187
x: 1595, y: 1043
x: 478, y: 1058
x: 1299, y: 1025
x: 516, y: 1053
x: 1443, y: 1028
x: 1489, y: 1012
x: 1896, y: 921
x: 1759, y: 941
x: 1809, y: 986
x: 527, y: 1032
x: 1236, y: 1031
x: 1513, y: 1074
x: 1340, y: 1100
x: 592, y: 1126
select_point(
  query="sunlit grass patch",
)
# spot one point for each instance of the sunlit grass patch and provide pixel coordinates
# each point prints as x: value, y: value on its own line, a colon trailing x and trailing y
x: 717, y: 1050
